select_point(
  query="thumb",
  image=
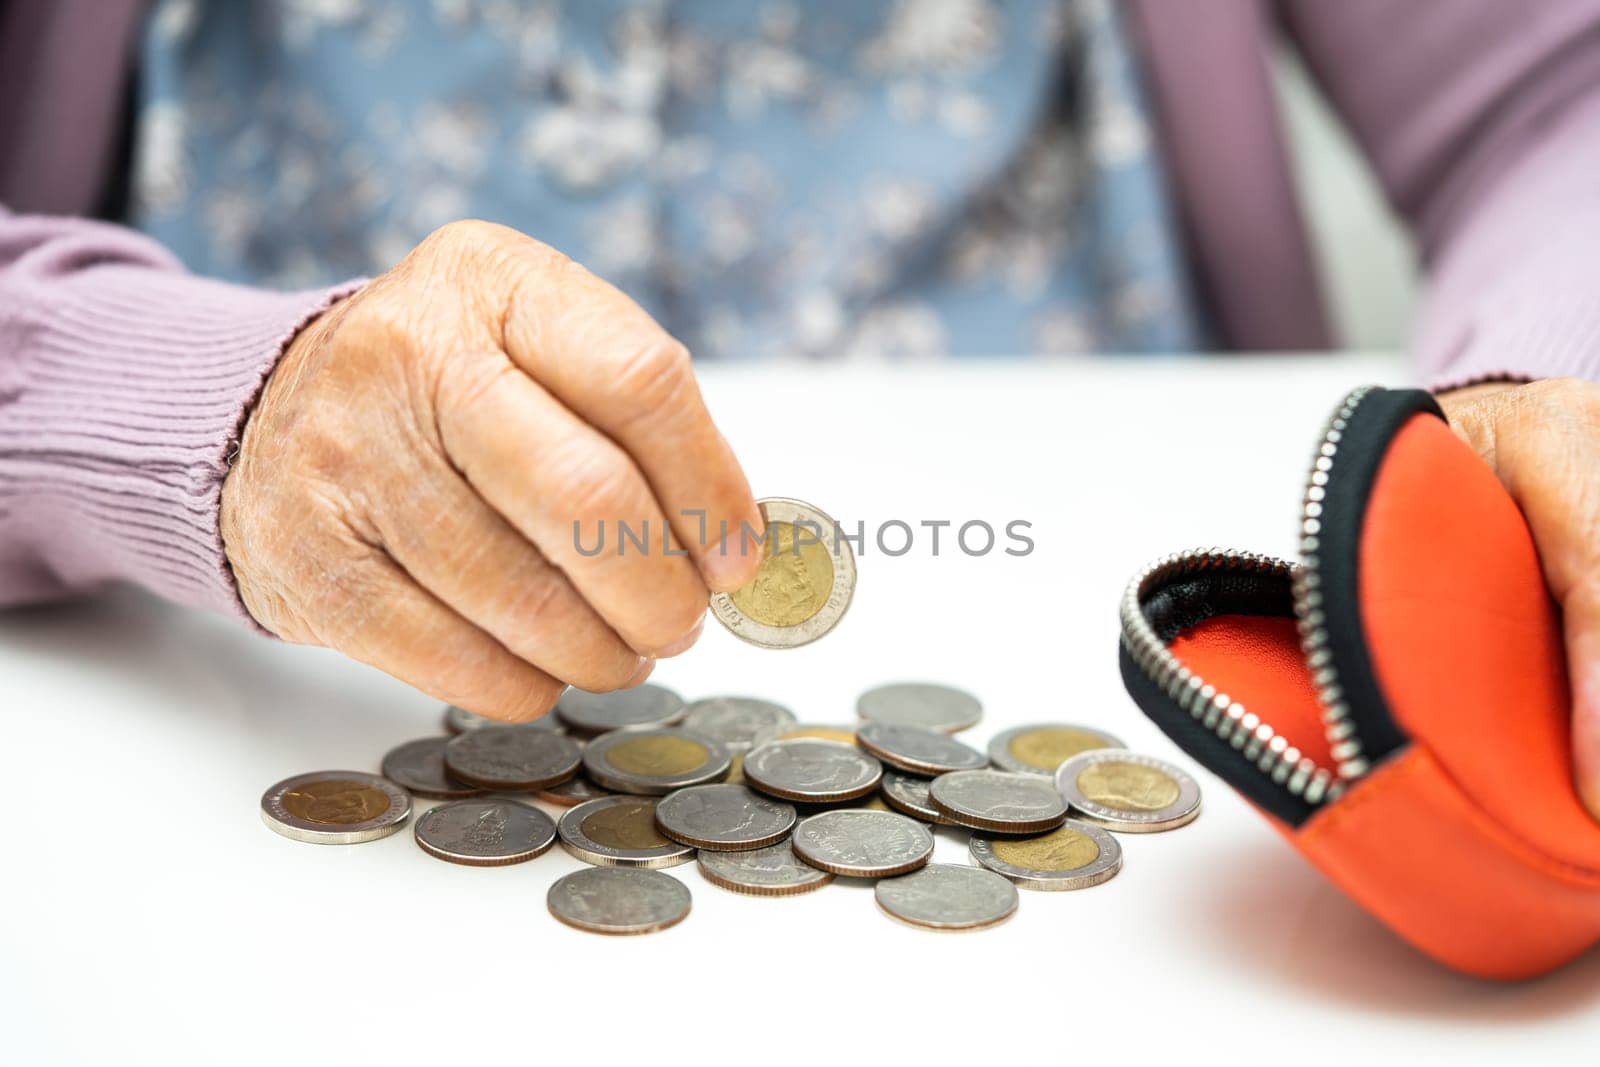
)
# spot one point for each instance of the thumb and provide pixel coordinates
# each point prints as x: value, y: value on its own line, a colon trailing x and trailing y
x: 1581, y: 619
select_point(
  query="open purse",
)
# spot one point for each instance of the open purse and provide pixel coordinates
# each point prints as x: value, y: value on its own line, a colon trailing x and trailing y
x: 1395, y: 704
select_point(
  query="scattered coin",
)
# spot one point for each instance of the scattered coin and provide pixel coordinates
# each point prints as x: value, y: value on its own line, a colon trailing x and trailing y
x: 917, y: 749
x: 486, y: 833
x: 620, y: 832
x: 612, y: 900
x: 803, y: 588
x: 1041, y: 748
x: 738, y: 724
x: 908, y: 795
x: 998, y: 801
x: 573, y: 791
x: 335, y: 807
x: 843, y: 734
x: 937, y: 707
x: 1128, y: 792
x: 947, y: 896
x: 654, y: 762
x: 863, y: 844
x: 723, y: 818
x: 512, y: 757
x: 812, y: 771
x: 460, y: 720
x: 642, y: 706
x: 762, y: 872
x: 418, y: 767
x: 1075, y: 855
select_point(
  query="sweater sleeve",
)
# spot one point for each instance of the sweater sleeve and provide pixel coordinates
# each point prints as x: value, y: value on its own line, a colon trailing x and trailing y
x: 124, y: 385
x: 1482, y: 120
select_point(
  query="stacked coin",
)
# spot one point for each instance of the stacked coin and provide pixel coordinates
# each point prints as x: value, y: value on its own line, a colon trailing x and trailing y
x: 648, y: 781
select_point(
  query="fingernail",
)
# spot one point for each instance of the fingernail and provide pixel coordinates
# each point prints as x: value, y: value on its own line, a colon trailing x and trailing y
x: 683, y: 643
x: 646, y: 666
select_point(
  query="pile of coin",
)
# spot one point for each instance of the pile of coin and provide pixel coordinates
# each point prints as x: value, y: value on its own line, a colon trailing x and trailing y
x: 766, y: 805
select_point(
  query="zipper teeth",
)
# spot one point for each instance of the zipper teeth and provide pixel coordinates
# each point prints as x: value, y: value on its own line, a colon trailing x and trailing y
x: 1343, y: 742
x: 1226, y: 718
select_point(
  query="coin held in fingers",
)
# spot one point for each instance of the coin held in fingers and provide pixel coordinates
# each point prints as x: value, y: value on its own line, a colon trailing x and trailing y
x: 805, y: 582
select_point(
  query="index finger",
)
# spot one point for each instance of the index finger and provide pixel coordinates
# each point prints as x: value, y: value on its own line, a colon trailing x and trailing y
x: 616, y: 368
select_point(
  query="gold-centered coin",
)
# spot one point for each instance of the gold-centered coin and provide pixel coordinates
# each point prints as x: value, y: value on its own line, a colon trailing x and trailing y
x: 1076, y: 855
x: 805, y: 582
x: 630, y: 824
x: 335, y: 807
x: 842, y: 734
x: 1126, y: 791
x: 654, y: 762
x: 1041, y: 748
x: 619, y: 832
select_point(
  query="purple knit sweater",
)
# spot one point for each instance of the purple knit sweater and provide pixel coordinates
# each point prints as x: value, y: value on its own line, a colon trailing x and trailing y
x: 124, y: 381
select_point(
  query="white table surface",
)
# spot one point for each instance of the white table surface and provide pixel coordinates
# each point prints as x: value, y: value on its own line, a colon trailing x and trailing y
x: 146, y: 915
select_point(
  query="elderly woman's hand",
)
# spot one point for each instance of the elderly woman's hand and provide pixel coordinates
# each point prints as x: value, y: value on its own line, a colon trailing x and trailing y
x: 1543, y: 440
x: 407, y: 488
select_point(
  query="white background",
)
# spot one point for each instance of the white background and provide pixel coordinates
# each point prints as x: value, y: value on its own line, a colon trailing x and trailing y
x: 146, y: 915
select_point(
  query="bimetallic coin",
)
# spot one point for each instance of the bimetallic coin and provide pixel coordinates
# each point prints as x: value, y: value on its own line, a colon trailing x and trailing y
x: 723, y: 818
x: 763, y: 872
x: 1128, y: 792
x: 738, y: 724
x: 908, y: 795
x: 573, y: 791
x: 418, y: 767
x: 937, y: 707
x: 460, y: 720
x: 641, y: 707
x: 842, y: 734
x: 1075, y: 855
x: 862, y: 844
x: 512, y: 757
x: 620, y: 832
x: 485, y: 833
x: 812, y: 771
x: 335, y: 807
x: 946, y: 896
x: 998, y: 802
x: 917, y: 749
x: 654, y: 762
x: 804, y: 586
x: 1041, y: 748
x: 611, y: 900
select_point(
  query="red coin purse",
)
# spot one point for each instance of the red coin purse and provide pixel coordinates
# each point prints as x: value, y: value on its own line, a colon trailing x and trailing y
x: 1396, y: 704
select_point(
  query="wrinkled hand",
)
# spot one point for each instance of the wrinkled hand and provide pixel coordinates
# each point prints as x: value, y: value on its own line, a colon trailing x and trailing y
x: 1543, y: 441
x: 407, y: 487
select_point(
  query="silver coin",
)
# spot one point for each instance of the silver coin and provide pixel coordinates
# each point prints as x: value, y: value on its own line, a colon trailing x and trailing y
x: 738, y: 723
x: 620, y: 832
x: 512, y: 757
x: 812, y: 771
x: 485, y: 833
x: 998, y: 801
x: 615, y: 900
x: 937, y: 707
x: 862, y: 844
x: 418, y: 768
x: 917, y: 749
x: 1075, y: 855
x: 1040, y: 748
x: 335, y: 807
x: 574, y: 791
x: 460, y: 720
x: 723, y: 818
x: 946, y: 896
x: 1125, y: 791
x: 804, y: 585
x: 654, y: 762
x: 642, y: 706
x: 762, y: 872
x: 908, y: 795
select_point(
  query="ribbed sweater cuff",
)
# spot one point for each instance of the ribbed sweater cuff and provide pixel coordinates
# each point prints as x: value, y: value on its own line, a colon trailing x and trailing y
x: 135, y: 385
